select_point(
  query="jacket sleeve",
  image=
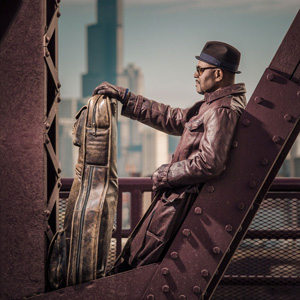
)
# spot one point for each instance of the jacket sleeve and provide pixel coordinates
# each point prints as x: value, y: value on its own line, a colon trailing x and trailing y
x: 210, y: 160
x: 157, y: 115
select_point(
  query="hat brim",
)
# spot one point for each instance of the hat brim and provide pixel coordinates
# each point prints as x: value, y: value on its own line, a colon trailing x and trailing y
x: 235, y: 72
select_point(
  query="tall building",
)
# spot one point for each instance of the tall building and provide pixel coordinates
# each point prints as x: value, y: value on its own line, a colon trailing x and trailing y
x: 104, y: 46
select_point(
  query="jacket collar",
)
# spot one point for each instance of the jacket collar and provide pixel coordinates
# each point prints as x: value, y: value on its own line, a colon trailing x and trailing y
x: 238, y: 88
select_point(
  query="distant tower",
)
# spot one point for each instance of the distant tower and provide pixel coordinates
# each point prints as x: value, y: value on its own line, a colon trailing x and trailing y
x: 105, y: 46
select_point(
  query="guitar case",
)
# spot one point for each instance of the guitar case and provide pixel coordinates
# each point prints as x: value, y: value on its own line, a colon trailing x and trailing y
x: 78, y: 253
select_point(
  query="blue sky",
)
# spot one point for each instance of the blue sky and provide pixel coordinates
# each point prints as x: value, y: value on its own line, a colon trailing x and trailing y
x: 162, y: 37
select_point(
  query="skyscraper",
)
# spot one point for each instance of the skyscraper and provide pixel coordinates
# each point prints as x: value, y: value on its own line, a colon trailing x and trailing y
x: 104, y: 46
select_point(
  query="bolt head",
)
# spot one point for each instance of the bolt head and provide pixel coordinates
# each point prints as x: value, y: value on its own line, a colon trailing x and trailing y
x: 198, y: 210
x: 276, y: 139
x: 288, y: 118
x: 47, y: 125
x: 258, y: 100
x: 204, y: 273
x: 165, y: 271
x: 271, y: 77
x: 246, y: 122
x: 197, y: 289
x: 182, y: 297
x: 216, y: 250
x: 234, y: 144
x: 174, y: 254
x: 47, y: 213
x: 150, y: 297
x: 228, y: 228
x: 241, y: 206
x: 264, y: 161
x: 186, y: 232
x: 252, y: 184
x: 47, y: 53
x: 210, y: 189
x: 165, y: 289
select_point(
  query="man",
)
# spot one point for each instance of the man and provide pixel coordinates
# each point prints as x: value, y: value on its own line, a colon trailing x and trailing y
x: 207, y: 129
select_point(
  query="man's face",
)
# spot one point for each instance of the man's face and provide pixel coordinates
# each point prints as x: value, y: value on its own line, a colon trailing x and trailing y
x: 205, y: 79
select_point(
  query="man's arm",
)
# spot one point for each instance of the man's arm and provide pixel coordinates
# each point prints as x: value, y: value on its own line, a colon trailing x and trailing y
x: 211, y: 158
x: 157, y: 115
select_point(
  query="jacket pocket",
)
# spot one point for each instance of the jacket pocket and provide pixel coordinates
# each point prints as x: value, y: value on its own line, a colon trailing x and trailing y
x: 195, y: 126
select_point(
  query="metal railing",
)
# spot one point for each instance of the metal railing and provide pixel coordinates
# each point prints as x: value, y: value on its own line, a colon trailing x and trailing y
x: 282, y: 188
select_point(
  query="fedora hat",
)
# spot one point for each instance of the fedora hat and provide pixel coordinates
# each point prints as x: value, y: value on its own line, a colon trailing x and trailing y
x: 221, y: 55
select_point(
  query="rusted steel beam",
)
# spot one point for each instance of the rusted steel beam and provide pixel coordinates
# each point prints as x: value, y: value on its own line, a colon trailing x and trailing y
x: 129, y: 285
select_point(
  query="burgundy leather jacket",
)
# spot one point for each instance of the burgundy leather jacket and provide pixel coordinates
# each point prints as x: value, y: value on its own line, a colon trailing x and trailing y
x: 206, y: 129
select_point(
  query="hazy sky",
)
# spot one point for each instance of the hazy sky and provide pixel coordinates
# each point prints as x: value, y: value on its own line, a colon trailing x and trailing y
x: 162, y: 37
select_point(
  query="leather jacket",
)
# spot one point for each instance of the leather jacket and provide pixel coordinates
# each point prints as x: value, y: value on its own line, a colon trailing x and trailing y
x: 206, y: 129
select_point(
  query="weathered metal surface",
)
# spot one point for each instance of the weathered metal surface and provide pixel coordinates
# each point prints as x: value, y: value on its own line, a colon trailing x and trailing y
x: 22, y: 248
x: 226, y: 206
x: 29, y: 124
x: 126, y: 286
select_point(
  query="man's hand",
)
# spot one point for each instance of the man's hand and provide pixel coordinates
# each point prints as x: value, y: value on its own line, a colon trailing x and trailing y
x: 111, y: 91
x: 160, y: 178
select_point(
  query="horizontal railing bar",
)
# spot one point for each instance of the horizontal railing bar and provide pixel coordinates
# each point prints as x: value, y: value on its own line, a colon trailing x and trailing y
x: 259, y: 280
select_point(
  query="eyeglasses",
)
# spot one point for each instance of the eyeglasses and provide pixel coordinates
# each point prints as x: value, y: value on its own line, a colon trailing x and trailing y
x: 200, y: 70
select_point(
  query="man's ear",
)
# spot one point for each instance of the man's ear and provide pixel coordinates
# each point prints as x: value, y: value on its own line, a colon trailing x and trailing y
x: 219, y: 75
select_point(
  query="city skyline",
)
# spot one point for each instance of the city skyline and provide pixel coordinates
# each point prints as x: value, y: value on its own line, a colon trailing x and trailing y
x: 163, y: 39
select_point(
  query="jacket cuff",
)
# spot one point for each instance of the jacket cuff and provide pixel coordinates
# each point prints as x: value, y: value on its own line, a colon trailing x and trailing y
x: 165, y: 177
x: 132, y: 107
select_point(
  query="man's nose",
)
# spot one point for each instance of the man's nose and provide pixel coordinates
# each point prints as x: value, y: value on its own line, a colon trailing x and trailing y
x: 196, y: 75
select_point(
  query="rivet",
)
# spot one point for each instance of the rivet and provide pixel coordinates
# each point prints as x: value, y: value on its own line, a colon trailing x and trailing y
x: 174, y: 254
x: 58, y: 14
x: 47, y: 125
x: 204, y: 273
x: 276, y: 139
x: 59, y: 170
x: 197, y: 289
x: 252, y: 184
x: 210, y: 189
x: 264, y: 161
x: 150, y: 297
x: 182, y: 297
x: 59, y: 184
x: 165, y: 289
x: 234, y: 144
x: 241, y: 206
x: 165, y: 271
x: 216, y: 250
x: 228, y: 228
x: 258, y: 100
x: 288, y: 118
x: 59, y: 85
x: 246, y: 122
x: 58, y: 99
x: 47, y: 213
x: 271, y: 77
x: 186, y: 232
x: 47, y: 140
x: 198, y: 210
x: 47, y: 39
